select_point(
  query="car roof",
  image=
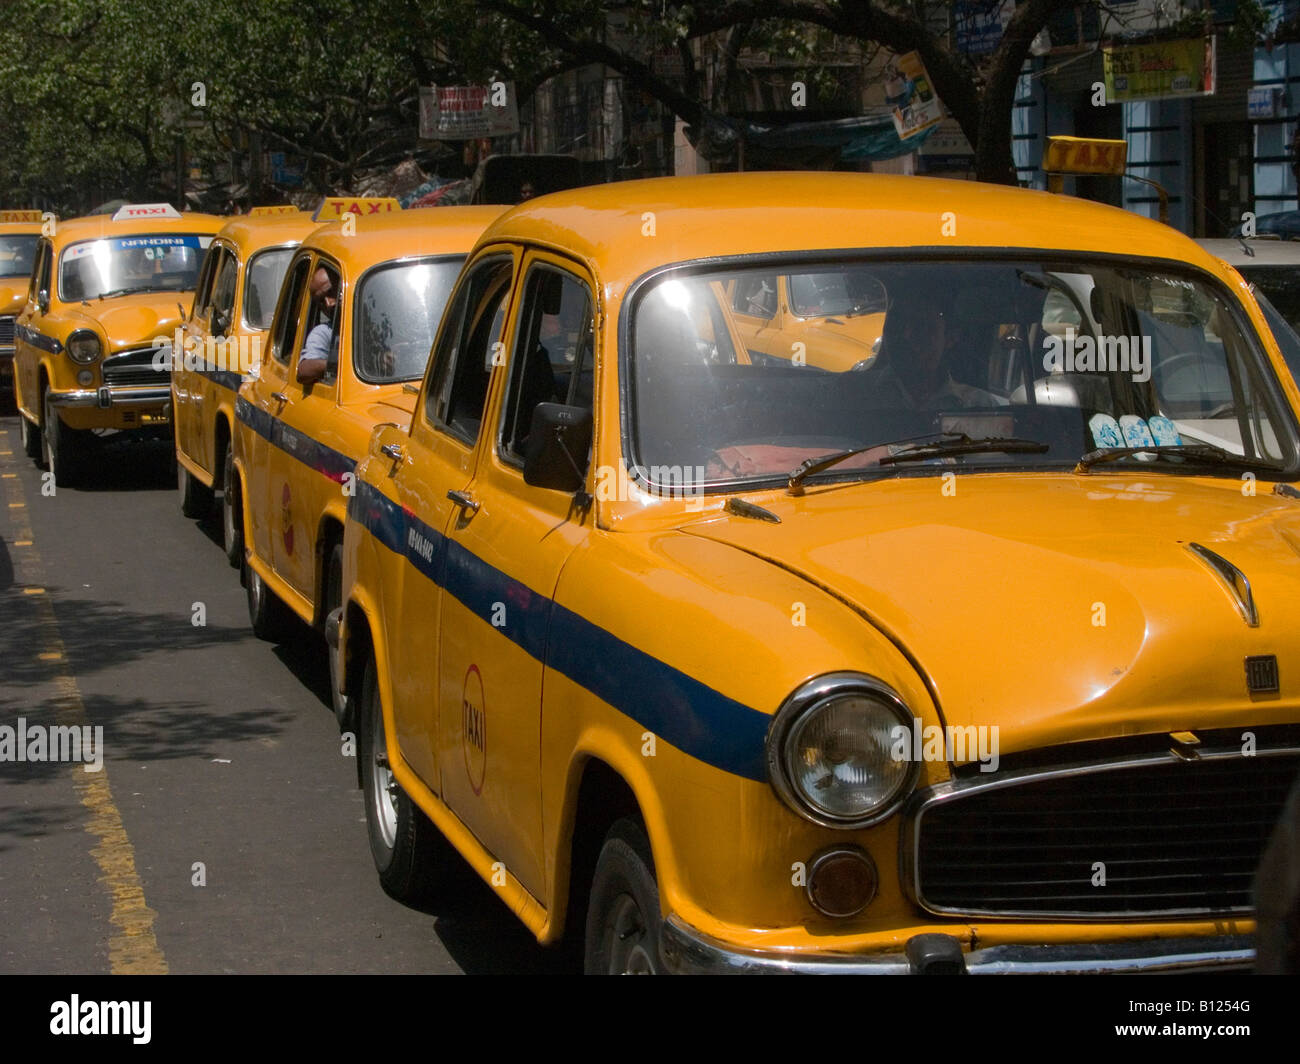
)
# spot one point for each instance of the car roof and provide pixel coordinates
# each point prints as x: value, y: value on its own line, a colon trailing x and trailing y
x: 251, y: 233
x: 398, y: 234
x: 1267, y: 252
x: 99, y: 226
x: 765, y: 212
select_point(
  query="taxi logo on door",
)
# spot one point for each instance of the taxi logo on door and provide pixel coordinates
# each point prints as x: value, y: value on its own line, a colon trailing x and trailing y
x: 473, y: 722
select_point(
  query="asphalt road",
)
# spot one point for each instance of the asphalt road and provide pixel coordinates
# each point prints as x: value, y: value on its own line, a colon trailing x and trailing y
x: 222, y: 762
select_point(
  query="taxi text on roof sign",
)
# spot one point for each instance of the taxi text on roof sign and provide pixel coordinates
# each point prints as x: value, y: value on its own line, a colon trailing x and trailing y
x: 1084, y: 155
x: 333, y: 208
x: 262, y: 212
x: 20, y: 216
x: 140, y: 211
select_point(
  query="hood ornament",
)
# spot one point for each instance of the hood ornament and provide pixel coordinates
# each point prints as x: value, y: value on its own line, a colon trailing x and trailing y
x: 1233, y: 579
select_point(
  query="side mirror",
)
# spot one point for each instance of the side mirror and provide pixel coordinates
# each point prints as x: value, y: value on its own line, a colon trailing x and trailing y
x: 310, y: 370
x: 43, y: 300
x: 559, y: 441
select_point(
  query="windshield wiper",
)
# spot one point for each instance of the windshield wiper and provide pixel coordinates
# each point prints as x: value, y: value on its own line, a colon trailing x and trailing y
x: 934, y: 440
x: 963, y: 444
x: 1200, y: 452
x: 134, y: 290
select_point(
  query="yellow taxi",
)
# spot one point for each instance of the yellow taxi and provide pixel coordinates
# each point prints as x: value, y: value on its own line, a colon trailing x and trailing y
x: 352, y: 327
x: 19, y: 231
x: 221, y: 342
x: 102, y: 290
x: 981, y: 656
x: 785, y: 316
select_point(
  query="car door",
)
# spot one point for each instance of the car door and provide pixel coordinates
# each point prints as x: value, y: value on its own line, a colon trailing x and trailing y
x: 217, y: 316
x: 505, y: 548
x: 439, y: 458
x: 302, y: 468
x: 186, y: 386
x: 261, y: 402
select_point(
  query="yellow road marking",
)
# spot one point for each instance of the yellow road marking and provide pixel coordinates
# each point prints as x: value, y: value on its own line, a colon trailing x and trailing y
x: 17, y: 505
x: 132, y: 946
x: 6, y: 454
x: 22, y: 543
x: 8, y: 476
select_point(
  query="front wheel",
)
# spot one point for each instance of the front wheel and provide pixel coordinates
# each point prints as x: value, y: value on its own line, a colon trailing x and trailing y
x: 624, y: 927
x: 410, y: 853
x: 196, y: 498
x: 334, y: 599
x: 31, y: 438
x: 64, y: 447
x: 232, y: 513
x: 268, y: 615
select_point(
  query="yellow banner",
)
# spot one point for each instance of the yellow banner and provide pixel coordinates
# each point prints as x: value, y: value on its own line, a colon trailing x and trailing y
x: 1085, y: 155
x: 1160, y: 70
x: 333, y: 208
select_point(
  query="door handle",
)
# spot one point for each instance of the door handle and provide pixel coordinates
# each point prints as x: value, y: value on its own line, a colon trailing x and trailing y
x: 464, y: 500
x: 392, y: 450
x: 279, y: 397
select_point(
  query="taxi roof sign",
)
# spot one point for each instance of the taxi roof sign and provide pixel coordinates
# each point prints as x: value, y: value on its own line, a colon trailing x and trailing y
x: 265, y: 212
x: 20, y: 216
x: 333, y: 208
x: 1085, y: 155
x: 132, y: 212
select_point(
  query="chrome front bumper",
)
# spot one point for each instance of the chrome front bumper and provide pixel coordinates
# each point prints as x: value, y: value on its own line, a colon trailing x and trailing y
x: 106, y: 397
x: 689, y: 952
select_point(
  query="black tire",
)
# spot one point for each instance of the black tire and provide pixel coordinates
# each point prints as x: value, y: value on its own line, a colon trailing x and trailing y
x: 32, y: 446
x: 333, y: 599
x: 64, y: 448
x: 232, y: 511
x: 410, y: 854
x: 624, y: 925
x: 196, y: 499
x: 269, y: 617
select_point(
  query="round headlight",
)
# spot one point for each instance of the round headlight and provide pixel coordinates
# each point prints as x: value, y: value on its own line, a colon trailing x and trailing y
x: 840, y: 751
x: 83, y: 346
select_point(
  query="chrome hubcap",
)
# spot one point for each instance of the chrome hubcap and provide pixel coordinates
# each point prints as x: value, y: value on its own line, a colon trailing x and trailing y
x: 630, y: 939
x: 383, y: 785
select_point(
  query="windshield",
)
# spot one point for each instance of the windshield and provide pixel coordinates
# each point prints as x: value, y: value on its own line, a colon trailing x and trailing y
x: 124, y: 264
x: 16, y: 255
x: 262, y: 285
x: 398, y: 309
x: 1078, y: 357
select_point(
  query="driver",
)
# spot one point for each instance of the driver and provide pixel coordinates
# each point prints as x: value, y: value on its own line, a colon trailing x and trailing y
x: 914, y: 357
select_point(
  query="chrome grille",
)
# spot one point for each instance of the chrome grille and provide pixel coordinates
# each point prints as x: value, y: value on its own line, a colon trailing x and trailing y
x: 134, y: 368
x: 7, y: 330
x: 1171, y: 837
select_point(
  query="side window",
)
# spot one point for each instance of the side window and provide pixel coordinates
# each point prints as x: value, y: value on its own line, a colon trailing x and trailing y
x: 464, y: 353
x: 223, y: 294
x: 755, y: 295
x: 41, y: 270
x: 203, y: 290
x: 322, y: 335
x: 553, y: 360
x: 284, y: 329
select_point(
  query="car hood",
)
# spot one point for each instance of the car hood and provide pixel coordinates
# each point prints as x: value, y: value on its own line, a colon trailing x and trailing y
x: 1057, y: 608
x: 131, y: 320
